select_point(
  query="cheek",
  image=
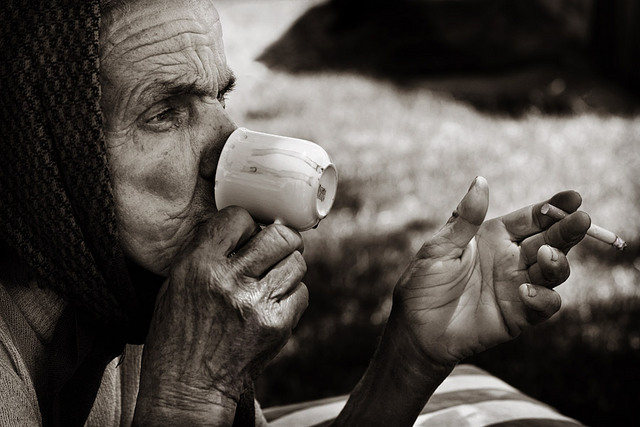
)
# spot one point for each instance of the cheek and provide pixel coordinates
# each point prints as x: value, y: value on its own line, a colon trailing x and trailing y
x: 154, y: 179
x: 155, y: 202
x: 168, y: 166
x: 170, y: 177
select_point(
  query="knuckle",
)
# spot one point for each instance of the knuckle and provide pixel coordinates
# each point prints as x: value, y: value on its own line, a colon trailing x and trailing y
x: 275, y: 324
x: 222, y: 223
x: 556, y: 273
x: 304, y: 297
x: 236, y: 213
x: 232, y: 211
x: 220, y: 281
x: 300, y: 262
x: 223, y: 275
x: 285, y: 235
x: 552, y: 306
x: 562, y: 269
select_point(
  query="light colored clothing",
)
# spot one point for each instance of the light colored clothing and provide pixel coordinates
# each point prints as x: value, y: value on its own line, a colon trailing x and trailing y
x: 27, y: 321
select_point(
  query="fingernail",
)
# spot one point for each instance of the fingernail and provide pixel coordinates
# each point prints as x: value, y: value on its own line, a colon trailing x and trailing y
x: 554, y: 253
x: 473, y: 183
x: 531, y: 291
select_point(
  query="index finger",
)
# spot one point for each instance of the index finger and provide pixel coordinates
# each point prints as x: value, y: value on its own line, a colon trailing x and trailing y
x: 528, y: 221
x: 228, y: 228
x: 267, y: 248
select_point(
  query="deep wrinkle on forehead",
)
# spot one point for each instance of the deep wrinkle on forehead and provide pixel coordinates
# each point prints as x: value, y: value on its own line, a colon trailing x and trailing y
x: 182, y: 54
x: 182, y: 33
x: 147, y: 23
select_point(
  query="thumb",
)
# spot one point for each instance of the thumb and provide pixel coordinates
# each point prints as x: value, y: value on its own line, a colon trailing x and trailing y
x: 464, y: 223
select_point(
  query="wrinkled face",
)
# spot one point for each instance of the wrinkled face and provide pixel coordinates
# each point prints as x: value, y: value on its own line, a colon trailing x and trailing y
x: 164, y: 77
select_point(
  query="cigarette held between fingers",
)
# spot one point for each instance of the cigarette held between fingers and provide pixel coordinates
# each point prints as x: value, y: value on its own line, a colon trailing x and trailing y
x: 594, y: 231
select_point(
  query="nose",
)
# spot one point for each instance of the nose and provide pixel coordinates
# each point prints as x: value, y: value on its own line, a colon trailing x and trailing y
x: 217, y: 132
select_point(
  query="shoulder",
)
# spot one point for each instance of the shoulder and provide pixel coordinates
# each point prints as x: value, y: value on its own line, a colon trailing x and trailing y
x: 17, y: 407
x: 18, y: 400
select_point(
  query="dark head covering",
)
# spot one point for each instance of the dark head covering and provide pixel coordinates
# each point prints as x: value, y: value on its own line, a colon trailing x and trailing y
x: 54, y: 176
x: 56, y: 203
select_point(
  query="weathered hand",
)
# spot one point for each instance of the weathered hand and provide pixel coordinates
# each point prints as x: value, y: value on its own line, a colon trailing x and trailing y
x: 228, y: 306
x: 477, y: 284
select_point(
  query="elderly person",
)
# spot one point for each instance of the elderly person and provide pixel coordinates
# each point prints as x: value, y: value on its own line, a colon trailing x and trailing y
x: 113, y: 121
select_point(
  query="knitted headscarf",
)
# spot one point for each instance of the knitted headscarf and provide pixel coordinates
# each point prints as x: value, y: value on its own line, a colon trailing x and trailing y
x: 56, y: 206
x: 57, y: 209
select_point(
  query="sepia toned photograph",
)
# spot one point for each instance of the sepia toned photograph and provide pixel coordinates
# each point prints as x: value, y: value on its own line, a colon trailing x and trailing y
x: 319, y: 213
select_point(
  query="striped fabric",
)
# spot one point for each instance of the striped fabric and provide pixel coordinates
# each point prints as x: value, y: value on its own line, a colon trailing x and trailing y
x: 468, y: 397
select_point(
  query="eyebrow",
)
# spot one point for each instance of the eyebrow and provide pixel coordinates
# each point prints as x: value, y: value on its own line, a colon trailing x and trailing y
x: 229, y: 85
x: 159, y: 90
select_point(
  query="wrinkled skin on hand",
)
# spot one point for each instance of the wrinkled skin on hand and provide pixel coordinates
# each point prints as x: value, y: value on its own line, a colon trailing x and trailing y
x: 234, y: 295
x: 477, y: 284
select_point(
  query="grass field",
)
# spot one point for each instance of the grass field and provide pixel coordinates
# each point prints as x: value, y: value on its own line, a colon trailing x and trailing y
x: 406, y: 155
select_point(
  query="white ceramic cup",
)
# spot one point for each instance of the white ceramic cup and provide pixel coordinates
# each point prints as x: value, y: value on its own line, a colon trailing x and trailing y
x: 276, y: 179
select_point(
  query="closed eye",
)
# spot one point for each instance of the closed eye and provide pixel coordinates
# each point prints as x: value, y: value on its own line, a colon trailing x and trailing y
x: 224, y: 92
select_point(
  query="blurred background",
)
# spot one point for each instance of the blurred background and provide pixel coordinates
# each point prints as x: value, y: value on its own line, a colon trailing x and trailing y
x: 413, y: 99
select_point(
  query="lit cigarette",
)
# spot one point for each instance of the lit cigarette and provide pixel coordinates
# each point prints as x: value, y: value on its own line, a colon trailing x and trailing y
x: 595, y: 231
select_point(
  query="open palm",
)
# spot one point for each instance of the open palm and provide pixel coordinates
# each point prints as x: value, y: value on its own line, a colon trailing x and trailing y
x: 477, y: 284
